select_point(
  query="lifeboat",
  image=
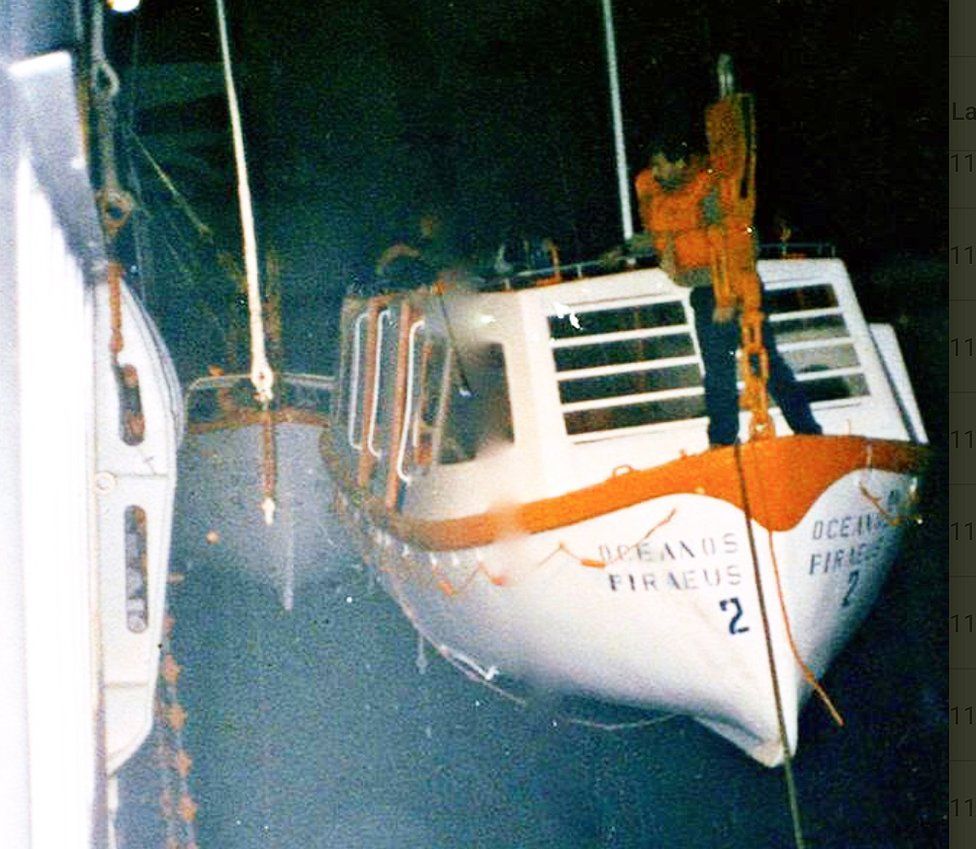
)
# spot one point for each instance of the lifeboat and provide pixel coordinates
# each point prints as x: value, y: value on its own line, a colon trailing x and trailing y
x: 527, y: 470
x: 236, y: 456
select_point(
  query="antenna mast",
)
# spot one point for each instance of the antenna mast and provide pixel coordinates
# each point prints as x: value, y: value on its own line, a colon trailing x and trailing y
x: 623, y: 183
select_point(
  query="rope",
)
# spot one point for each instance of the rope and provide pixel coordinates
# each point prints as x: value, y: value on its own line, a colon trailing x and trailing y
x: 473, y: 671
x: 261, y: 374
x: 506, y: 579
x: 807, y: 672
x: 791, y: 791
x: 202, y: 229
x: 891, y: 518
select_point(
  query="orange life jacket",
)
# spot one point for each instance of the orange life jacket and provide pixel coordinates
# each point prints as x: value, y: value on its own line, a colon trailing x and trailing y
x: 675, y: 217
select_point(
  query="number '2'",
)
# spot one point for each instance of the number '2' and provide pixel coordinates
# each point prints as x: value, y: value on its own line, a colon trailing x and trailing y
x: 852, y: 578
x: 734, y: 626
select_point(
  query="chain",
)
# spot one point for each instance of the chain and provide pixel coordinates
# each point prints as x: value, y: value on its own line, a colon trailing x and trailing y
x: 755, y: 362
x: 740, y: 287
x: 177, y: 804
x: 730, y: 127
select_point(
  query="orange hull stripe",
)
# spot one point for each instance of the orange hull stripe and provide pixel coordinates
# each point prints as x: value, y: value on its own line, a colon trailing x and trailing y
x: 785, y: 476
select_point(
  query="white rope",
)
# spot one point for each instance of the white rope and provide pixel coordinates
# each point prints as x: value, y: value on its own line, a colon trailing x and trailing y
x: 261, y: 374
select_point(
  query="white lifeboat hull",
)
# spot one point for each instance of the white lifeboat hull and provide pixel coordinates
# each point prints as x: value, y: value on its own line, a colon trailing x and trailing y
x: 657, y: 604
x: 527, y: 470
x: 228, y: 461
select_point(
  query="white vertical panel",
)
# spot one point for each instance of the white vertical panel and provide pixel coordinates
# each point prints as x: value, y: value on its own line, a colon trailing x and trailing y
x: 56, y: 392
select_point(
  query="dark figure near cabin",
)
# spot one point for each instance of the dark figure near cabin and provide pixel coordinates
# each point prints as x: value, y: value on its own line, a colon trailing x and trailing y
x: 417, y: 259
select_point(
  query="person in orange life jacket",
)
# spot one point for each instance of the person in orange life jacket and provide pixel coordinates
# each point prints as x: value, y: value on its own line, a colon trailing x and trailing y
x: 679, y: 196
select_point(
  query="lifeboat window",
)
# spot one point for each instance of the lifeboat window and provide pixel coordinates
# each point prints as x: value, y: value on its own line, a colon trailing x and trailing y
x: 629, y: 383
x: 132, y: 422
x: 428, y: 373
x: 626, y: 366
x: 593, y: 322
x: 386, y: 350
x: 811, y: 360
x: 625, y: 351
x: 635, y: 365
x: 833, y: 387
x: 634, y: 415
x: 476, y: 410
x: 815, y: 327
x: 432, y: 372
x: 136, y: 570
x: 350, y: 394
x: 814, y: 338
x: 800, y: 299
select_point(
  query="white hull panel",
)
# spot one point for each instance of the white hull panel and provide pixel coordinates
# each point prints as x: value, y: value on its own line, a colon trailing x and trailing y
x: 220, y: 520
x: 670, y: 620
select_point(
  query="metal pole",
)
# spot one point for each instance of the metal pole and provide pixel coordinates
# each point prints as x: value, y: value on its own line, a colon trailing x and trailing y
x: 623, y: 183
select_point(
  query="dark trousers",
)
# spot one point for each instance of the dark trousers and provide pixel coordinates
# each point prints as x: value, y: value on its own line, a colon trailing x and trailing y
x: 718, y: 343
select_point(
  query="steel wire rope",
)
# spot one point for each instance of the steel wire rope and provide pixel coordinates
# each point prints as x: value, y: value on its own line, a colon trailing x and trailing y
x: 203, y: 230
x: 789, y: 778
x: 807, y: 672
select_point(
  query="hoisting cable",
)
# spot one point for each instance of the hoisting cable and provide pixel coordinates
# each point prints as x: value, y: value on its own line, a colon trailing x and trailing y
x: 262, y: 375
x: 791, y: 791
